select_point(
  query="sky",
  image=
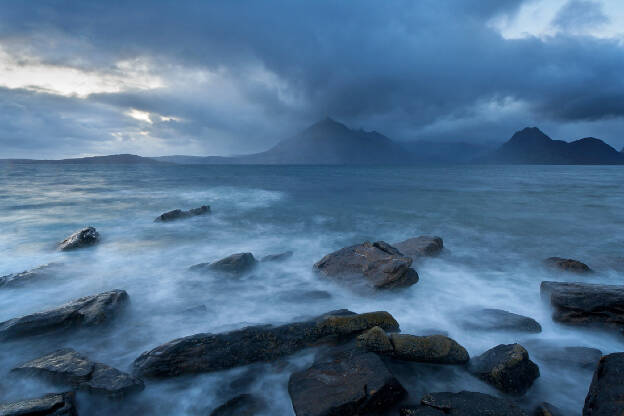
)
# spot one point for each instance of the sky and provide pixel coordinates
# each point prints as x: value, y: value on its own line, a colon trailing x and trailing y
x: 224, y: 77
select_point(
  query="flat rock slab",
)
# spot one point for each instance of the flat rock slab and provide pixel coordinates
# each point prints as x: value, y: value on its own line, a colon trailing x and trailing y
x: 215, y: 352
x: 178, y: 214
x: 29, y: 276
x: 606, y: 391
x: 498, y: 320
x: 60, y: 404
x: 82, y: 238
x: 423, y: 246
x: 567, y: 265
x: 378, y: 265
x: 242, y: 405
x: 464, y: 403
x: 235, y: 264
x: 506, y: 367
x: 69, y: 367
x: 85, y: 311
x: 350, y: 382
x: 585, y: 304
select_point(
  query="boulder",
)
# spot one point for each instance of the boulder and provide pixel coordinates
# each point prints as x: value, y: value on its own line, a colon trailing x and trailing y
x: 277, y: 257
x: 423, y: 246
x: 242, y: 405
x: 235, y: 264
x: 606, y: 391
x: 85, y: 311
x: 178, y: 214
x: 506, y: 367
x: 547, y: 409
x: 57, y: 404
x: 375, y: 340
x: 437, y: 349
x: 566, y: 356
x: 378, y: 265
x: 567, y: 265
x: 464, y: 403
x: 81, y: 238
x: 19, y: 279
x: 213, y: 352
x: 586, y: 304
x: 351, y: 382
x: 69, y: 367
x: 498, y: 320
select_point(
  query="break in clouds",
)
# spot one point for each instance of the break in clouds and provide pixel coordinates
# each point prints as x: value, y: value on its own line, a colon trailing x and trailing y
x: 222, y: 77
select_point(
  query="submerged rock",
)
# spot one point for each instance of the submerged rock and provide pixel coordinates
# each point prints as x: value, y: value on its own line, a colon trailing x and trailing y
x: 585, y: 304
x: 68, y: 366
x: 82, y: 238
x: 606, y: 391
x: 379, y: 264
x: 506, y: 367
x: 498, y: 320
x: 178, y: 214
x: 85, y: 311
x: 277, y: 257
x: 567, y: 265
x: 437, y: 349
x: 464, y: 403
x: 235, y: 264
x: 580, y: 357
x: 213, y: 352
x: 38, y: 273
x: 242, y: 405
x: 351, y: 382
x: 423, y: 246
x: 56, y: 404
x: 547, y: 409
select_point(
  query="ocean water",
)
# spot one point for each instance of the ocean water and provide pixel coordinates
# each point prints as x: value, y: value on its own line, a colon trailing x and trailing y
x: 498, y: 224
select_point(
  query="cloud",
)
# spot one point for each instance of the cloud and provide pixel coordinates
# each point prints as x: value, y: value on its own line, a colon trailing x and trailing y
x: 577, y: 16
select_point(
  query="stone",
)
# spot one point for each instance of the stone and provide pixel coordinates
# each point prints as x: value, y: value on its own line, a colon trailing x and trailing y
x: 547, y: 409
x: 506, y: 367
x: 606, y: 391
x: 437, y: 349
x: 178, y: 214
x: 29, y: 276
x: 375, y: 340
x: 567, y: 265
x: 82, y: 238
x: 86, y: 311
x: 56, y: 404
x: 498, y: 320
x: 242, y: 405
x: 564, y: 356
x: 464, y: 403
x: 377, y: 265
x: 277, y: 257
x: 235, y: 264
x: 423, y: 246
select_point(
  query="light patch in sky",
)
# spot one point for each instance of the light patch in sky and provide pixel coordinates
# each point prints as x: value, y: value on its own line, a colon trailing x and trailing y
x: 139, y: 115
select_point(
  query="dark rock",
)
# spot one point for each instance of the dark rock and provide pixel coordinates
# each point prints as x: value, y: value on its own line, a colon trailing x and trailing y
x: 581, y: 357
x: 235, y: 264
x: 586, y: 304
x: 381, y: 265
x: 506, y: 367
x: 351, y: 382
x: 18, y: 279
x: 277, y: 257
x: 57, y: 404
x: 178, y: 214
x: 568, y: 265
x: 498, y: 320
x: 606, y: 391
x: 423, y: 246
x: 437, y: 349
x: 82, y: 238
x: 375, y: 340
x: 243, y: 405
x: 547, y: 409
x: 214, y: 352
x: 85, y: 311
x: 464, y: 403
x: 68, y: 366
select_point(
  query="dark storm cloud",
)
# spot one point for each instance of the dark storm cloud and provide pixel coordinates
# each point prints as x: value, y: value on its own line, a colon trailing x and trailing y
x: 433, y: 69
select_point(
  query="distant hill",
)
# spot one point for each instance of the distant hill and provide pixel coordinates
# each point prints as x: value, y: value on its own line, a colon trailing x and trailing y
x: 532, y: 146
x: 126, y: 159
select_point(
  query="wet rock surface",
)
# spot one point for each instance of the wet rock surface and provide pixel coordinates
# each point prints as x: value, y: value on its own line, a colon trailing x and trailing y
x: 547, y: 409
x: 437, y: 349
x: 57, y: 404
x: 82, y: 238
x: 498, y: 320
x: 567, y: 265
x: 235, y: 264
x: 178, y: 214
x: 277, y: 257
x: 29, y: 276
x: 242, y: 405
x: 214, y: 352
x: 606, y: 392
x: 377, y: 265
x: 85, y: 311
x: 464, y: 403
x: 564, y: 356
x: 375, y: 340
x: 506, y: 367
x: 423, y: 246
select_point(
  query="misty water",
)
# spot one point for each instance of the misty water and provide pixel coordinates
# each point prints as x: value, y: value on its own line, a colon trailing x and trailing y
x: 498, y: 224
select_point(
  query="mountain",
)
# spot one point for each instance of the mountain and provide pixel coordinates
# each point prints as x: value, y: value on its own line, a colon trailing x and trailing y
x: 125, y: 159
x: 431, y: 152
x: 532, y: 146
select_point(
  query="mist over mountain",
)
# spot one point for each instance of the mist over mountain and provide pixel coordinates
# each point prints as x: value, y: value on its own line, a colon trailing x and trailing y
x: 93, y: 160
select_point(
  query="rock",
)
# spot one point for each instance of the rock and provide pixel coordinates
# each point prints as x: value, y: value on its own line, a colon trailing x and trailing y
x: 57, y: 404
x: 214, y: 352
x: 242, y: 405
x: 423, y: 246
x: 85, y: 311
x: 586, y: 304
x: 437, y: 349
x: 547, y: 409
x: 178, y: 214
x: 506, y: 367
x: 464, y: 403
x: 235, y: 264
x: 18, y: 279
x: 606, y: 391
x: 82, y: 238
x: 498, y: 320
x: 277, y: 257
x: 375, y: 340
x: 381, y: 265
x: 567, y: 265
x: 69, y: 367
x: 581, y: 357
x: 351, y: 382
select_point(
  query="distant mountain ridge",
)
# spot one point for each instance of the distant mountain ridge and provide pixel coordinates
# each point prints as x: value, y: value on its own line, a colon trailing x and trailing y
x: 125, y: 159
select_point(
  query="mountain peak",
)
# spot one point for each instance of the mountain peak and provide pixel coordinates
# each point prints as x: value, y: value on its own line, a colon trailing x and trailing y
x: 530, y: 134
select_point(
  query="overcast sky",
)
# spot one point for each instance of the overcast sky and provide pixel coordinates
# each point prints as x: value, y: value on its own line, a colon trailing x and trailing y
x: 229, y: 77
